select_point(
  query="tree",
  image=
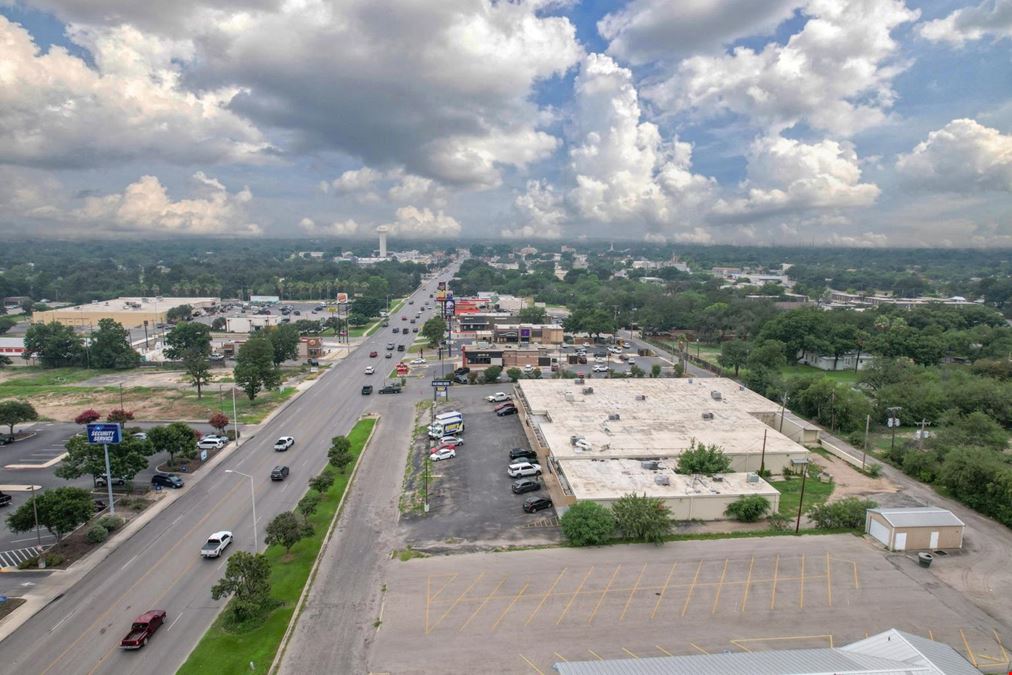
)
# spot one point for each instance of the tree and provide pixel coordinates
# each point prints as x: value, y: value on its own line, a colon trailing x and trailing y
x: 218, y: 422
x: 60, y: 510
x: 514, y: 374
x: 255, y: 369
x: 88, y: 416
x: 110, y: 347
x: 655, y: 370
x: 703, y: 459
x: 16, y: 412
x: 322, y: 481
x: 6, y: 323
x: 636, y: 371
x: 286, y: 529
x: 219, y: 323
x: 197, y: 368
x: 339, y: 454
x: 587, y: 524
x: 179, y: 313
x: 434, y: 330
x: 767, y: 355
x: 126, y: 459
x: 491, y: 374
x: 57, y: 345
x: 248, y: 580
x: 285, y: 342
x: 185, y: 337
x: 307, y: 505
x: 533, y: 314
x: 733, y: 354
x: 849, y: 512
x: 642, y: 518
x: 748, y: 508
x: 175, y: 438
x: 5, y: 361
x: 119, y: 415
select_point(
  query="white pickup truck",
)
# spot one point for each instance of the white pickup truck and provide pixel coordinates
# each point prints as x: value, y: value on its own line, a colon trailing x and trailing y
x: 498, y: 397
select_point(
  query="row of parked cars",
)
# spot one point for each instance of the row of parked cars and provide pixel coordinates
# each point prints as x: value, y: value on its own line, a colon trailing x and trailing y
x: 523, y: 464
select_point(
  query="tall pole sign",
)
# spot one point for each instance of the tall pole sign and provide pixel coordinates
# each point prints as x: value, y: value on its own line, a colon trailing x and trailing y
x: 106, y: 434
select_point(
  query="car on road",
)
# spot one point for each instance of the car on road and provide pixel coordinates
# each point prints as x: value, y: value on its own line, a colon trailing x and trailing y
x: 389, y: 355
x: 404, y: 318
x: 498, y: 397
x: 443, y: 453
x: 5, y: 499
x: 396, y: 330
x: 373, y: 355
x: 391, y: 389
x: 599, y: 368
x: 519, y: 454
x: 279, y: 472
x: 400, y: 348
x: 522, y: 469
x: 390, y: 346
x: 216, y: 544
x: 6, y: 440
x: 367, y: 388
x: 369, y: 370
x: 418, y: 362
x: 411, y: 302
x: 535, y: 504
x: 284, y: 443
x: 451, y: 441
x: 210, y: 444
x: 525, y: 485
x: 412, y: 321
x: 415, y: 329
x: 169, y: 480
x: 505, y: 411
x: 143, y: 628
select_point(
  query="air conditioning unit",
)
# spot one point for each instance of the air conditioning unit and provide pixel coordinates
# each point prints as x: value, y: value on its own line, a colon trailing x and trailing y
x: 588, y: 390
x: 708, y: 416
x: 716, y: 395
x: 569, y: 396
x: 641, y: 397
x: 662, y: 479
x: 579, y: 380
x: 752, y: 477
x: 614, y: 416
x: 650, y: 464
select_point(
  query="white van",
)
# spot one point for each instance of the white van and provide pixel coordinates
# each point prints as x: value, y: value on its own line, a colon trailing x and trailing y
x: 449, y: 415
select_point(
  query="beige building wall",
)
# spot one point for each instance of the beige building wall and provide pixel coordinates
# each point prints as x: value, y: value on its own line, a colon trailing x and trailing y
x: 699, y: 507
x: 919, y: 538
x: 90, y: 314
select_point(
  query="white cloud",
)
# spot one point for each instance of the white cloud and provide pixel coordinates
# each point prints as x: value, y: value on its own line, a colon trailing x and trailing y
x: 989, y: 18
x: 356, y: 180
x: 835, y: 74
x: 540, y: 212
x: 57, y: 111
x: 338, y: 228
x: 785, y: 175
x: 163, y: 17
x: 962, y: 156
x: 650, y: 30
x: 862, y: 240
x: 412, y: 222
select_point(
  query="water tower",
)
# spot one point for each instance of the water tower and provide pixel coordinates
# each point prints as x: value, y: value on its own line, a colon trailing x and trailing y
x: 382, y: 231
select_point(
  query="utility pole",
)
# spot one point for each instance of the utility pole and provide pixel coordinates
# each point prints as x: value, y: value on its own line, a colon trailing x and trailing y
x: 121, y: 396
x: 867, y: 425
x: 762, y: 461
x: 35, y: 511
x: 783, y: 406
x: 801, y: 499
x: 893, y: 423
x: 920, y: 436
x: 235, y: 419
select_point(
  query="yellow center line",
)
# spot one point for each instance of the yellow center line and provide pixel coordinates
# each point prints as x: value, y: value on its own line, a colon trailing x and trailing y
x: 510, y: 606
x: 575, y: 594
x: 482, y: 605
x: 629, y: 653
x: 748, y: 584
x: 531, y: 664
x: 428, y: 601
x: 688, y: 598
x: 545, y: 597
x: 801, y: 602
x: 829, y: 581
x: 969, y: 652
x: 773, y: 593
x: 695, y: 646
x: 660, y: 596
x: 459, y: 597
x: 930, y: 635
x: 856, y: 583
x: 663, y: 650
x: 603, y: 595
x: 720, y: 585
x: 596, y: 655
x: 632, y: 592
x: 560, y: 657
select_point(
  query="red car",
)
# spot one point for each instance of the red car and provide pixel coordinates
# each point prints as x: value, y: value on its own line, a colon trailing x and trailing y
x: 404, y: 318
x: 373, y: 355
x: 143, y: 628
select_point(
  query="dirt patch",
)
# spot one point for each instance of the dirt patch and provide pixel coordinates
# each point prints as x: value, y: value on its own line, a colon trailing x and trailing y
x: 146, y: 404
x: 9, y: 605
x: 849, y: 481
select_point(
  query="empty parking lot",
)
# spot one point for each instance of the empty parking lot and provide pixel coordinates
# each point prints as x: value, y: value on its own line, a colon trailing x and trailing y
x: 523, y: 611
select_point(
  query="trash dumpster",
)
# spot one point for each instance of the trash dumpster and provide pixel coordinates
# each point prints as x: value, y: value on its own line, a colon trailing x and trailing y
x: 924, y: 559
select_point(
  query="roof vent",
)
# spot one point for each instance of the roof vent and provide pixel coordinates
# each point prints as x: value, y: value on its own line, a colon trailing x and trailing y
x: 588, y: 390
x: 752, y: 477
x: 690, y: 380
x: 650, y: 464
x: 641, y: 397
x: 614, y: 416
x: 579, y: 380
x: 715, y: 395
x: 717, y: 478
x: 569, y: 396
x: 662, y: 479
x: 708, y: 416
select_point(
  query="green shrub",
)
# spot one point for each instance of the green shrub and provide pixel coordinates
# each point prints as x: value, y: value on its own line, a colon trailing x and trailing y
x: 52, y: 560
x: 748, y: 509
x: 97, y: 534
x: 873, y: 470
x: 703, y: 459
x: 642, y: 518
x: 587, y: 524
x: 923, y: 466
x: 322, y: 482
x: 111, y: 522
x: 846, y: 513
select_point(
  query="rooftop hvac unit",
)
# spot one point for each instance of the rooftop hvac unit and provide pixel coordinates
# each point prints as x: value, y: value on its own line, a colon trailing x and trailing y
x: 641, y: 397
x: 752, y: 477
x: 579, y: 380
x: 650, y: 464
x: 588, y: 390
x: 715, y: 395
x: 708, y: 416
x: 717, y: 478
x: 614, y: 416
x: 662, y: 479
x: 690, y: 380
x: 569, y: 396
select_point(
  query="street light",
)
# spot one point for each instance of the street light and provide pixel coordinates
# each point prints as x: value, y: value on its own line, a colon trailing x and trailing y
x: 252, y: 495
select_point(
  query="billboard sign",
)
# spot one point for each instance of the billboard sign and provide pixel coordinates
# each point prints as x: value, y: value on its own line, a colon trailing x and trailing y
x: 107, y: 433
x: 440, y: 383
x: 449, y: 305
x: 525, y: 334
x: 342, y: 298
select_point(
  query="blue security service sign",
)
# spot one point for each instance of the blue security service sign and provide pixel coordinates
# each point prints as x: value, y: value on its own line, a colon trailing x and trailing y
x: 441, y: 383
x: 105, y: 433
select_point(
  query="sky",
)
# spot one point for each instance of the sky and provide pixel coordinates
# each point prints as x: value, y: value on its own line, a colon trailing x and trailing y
x: 815, y: 122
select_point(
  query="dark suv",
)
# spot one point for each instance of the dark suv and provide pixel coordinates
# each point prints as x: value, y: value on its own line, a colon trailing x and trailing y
x: 279, y: 473
x: 391, y: 389
x: 523, y: 453
x: 166, y: 480
x: 366, y: 389
x: 534, y: 504
x: 526, y: 485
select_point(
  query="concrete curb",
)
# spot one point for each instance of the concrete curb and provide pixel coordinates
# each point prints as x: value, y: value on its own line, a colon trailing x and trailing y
x: 276, y: 664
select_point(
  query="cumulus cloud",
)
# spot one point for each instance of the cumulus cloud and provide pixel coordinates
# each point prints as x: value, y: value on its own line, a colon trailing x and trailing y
x: 338, y: 228
x: 540, y: 212
x: 651, y: 30
x: 835, y: 74
x: 786, y: 175
x: 365, y: 185
x: 990, y: 18
x: 162, y: 17
x: 58, y: 111
x: 410, y: 221
x: 962, y: 156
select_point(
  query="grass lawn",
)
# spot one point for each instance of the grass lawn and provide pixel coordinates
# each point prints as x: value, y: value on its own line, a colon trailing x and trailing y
x: 221, y: 651
x: 790, y: 494
x: 33, y: 380
x: 844, y: 376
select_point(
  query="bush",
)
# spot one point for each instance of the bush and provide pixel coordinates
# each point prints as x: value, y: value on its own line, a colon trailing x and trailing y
x: 873, y: 470
x: 97, y: 534
x: 111, y: 522
x: 846, y: 513
x: 642, y: 518
x: 779, y: 521
x: 748, y: 509
x: 587, y: 524
x: 322, y: 482
x: 703, y: 459
x: 491, y: 374
x: 52, y: 560
x: 307, y: 505
x: 923, y: 466
x: 514, y: 374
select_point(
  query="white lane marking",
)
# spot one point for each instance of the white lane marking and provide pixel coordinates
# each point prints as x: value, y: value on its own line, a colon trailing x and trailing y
x: 178, y: 518
x: 174, y: 622
x: 59, y: 623
x: 127, y: 563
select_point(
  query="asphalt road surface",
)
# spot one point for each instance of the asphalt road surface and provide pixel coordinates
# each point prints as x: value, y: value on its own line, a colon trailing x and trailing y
x: 160, y: 566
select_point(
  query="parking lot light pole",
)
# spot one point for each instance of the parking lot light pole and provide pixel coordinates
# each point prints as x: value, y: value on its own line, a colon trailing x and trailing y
x: 35, y: 510
x: 108, y: 479
x: 253, y: 498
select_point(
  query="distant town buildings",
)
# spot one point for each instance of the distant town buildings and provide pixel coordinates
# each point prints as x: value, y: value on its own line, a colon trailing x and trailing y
x: 131, y: 312
x: 839, y: 299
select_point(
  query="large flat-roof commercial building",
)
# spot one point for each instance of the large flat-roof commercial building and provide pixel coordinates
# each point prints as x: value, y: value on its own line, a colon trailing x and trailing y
x: 130, y: 312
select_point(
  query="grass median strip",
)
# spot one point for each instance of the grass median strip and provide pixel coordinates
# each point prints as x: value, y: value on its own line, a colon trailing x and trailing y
x: 225, y: 650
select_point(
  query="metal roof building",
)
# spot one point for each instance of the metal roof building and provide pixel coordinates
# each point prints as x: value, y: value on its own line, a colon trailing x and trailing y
x: 893, y: 652
x: 915, y: 528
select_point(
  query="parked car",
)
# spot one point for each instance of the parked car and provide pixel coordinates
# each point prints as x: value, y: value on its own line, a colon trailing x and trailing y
x: 396, y: 330
x: 463, y: 370
x: 521, y: 469
x: 390, y: 389
x: 418, y: 362
x: 367, y: 388
x: 210, y: 444
x: 283, y: 443
x: 169, y: 480
x: 5, y: 499
x: 599, y: 368
x: 216, y: 544
x: 214, y: 437
x: 535, y: 504
x: 279, y: 472
x: 525, y: 485
x: 373, y: 355
x: 517, y: 454
x: 504, y: 412
x: 451, y: 441
x: 505, y: 404
x: 140, y: 436
x: 528, y: 369
x: 6, y: 440
x: 498, y: 397
x: 100, y: 480
x: 400, y: 348
x: 369, y: 370
x: 442, y: 453
x: 143, y: 628
x: 390, y: 346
